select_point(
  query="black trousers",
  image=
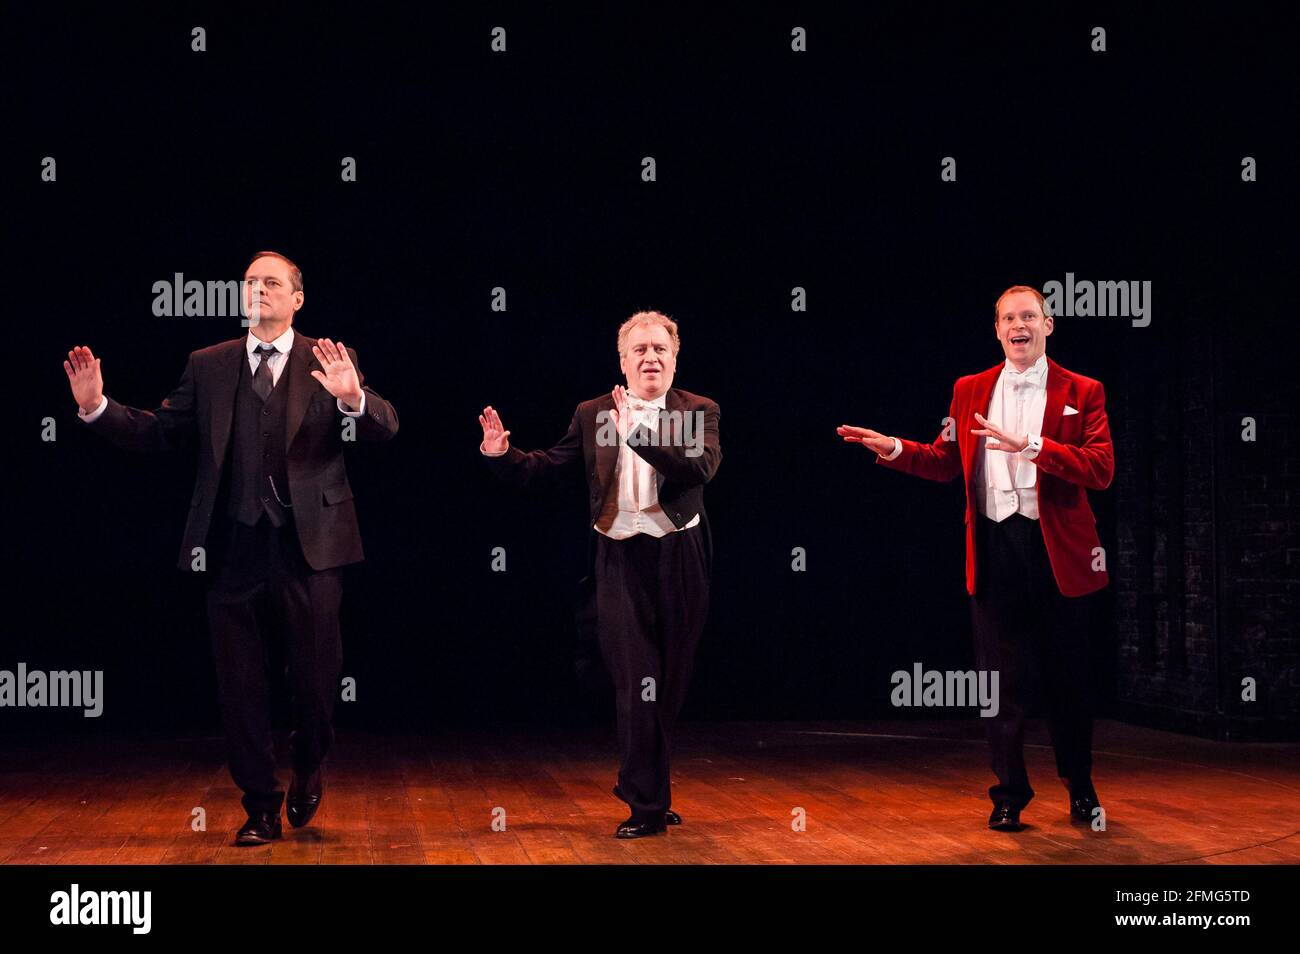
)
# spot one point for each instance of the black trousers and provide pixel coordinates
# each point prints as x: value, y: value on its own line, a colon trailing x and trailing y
x: 1037, y: 641
x: 266, y: 603
x: 651, y: 600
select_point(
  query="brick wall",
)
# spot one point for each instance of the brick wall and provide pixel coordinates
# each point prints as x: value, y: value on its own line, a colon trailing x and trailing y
x: 1208, y: 537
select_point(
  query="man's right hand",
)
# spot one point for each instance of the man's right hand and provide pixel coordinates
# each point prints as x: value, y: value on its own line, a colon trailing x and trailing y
x: 874, y: 440
x: 87, y: 383
x: 495, y: 437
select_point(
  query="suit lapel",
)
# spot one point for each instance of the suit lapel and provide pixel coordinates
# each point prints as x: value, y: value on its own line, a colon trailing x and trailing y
x: 671, y: 431
x: 671, y: 437
x: 606, y: 455
x: 223, y: 396
x: 302, y: 386
x: 979, y: 403
x: 1060, y: 390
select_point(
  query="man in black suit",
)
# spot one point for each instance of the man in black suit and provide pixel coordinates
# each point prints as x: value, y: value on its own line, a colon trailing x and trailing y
x: 647, y: 452
x: 269, y: 442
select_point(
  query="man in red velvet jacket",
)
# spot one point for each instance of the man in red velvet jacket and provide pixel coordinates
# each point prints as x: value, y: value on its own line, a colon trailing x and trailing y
x: 1029, y: 438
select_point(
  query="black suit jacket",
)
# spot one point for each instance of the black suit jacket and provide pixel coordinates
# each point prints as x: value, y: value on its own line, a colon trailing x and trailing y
x: 201, y: 410
x: 681, y: 494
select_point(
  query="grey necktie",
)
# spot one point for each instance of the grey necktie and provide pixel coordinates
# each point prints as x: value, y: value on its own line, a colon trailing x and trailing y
x: 263, y: 380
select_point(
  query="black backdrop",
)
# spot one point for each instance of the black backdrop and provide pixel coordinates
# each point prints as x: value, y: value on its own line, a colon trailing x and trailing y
x: 522, y: 170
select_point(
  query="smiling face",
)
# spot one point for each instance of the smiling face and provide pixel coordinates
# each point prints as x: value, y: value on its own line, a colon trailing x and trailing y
x: 649, y: 362
x: 1022, y: 328
x: 270, y: 300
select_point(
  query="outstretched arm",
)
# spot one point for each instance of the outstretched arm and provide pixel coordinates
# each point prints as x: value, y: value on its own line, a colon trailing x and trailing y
x: 939, y: 460
x: 165, y: 428
x: 534, y: 467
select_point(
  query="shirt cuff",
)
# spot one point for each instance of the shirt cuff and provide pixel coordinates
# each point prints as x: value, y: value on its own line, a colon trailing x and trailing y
x: 486, y: 454
x: 358, y: 412
x: 93, y: 415
x: 1033, y: 447
x: 898, y: 449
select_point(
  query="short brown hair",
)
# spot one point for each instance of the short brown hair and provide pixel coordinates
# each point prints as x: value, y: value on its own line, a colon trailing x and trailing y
x: 295, y: 273
x: 1042, y: 302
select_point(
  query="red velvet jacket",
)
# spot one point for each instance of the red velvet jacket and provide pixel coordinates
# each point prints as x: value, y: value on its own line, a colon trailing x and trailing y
x: 1077, y: 455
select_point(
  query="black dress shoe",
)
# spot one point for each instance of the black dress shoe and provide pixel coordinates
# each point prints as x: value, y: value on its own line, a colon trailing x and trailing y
x: 670, y: 816
x: 303, y: 798
x: 640, y: 829
x: 1082, y: 804
x: 1005, y: 817
x: 260, y: 828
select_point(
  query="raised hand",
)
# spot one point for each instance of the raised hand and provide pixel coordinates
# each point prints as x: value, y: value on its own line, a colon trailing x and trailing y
x: 82, y: 368
x: 621, y: 416
x: 868, y: 438
x: 339, y: 377
x: 496, y: 439
x: 999, y: 439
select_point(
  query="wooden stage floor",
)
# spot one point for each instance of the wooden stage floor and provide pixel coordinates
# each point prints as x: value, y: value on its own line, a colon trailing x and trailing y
x: 873, y: 793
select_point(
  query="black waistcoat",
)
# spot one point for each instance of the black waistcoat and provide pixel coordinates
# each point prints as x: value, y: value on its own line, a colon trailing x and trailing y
x: 257, y: 454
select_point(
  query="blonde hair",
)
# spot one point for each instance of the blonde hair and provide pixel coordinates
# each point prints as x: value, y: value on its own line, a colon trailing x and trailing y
x: 1042, y: 302
x: 648, y: 318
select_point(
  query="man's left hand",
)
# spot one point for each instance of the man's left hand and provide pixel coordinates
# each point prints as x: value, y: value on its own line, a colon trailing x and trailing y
x: 339, y: 377
x: 999, y: 439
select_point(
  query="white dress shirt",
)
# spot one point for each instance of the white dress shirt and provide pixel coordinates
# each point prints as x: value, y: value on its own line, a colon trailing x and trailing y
x: 635, y: 508
x: 282, y: 345
x: 1006, y: 482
